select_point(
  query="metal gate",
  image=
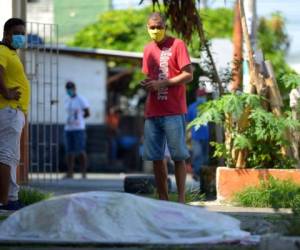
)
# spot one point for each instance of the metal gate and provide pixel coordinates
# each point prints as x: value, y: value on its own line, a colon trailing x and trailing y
x: 41, y: 60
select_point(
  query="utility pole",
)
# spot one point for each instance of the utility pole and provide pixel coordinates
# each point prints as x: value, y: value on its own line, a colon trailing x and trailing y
x: 251, y: 17
x: 251, y: 20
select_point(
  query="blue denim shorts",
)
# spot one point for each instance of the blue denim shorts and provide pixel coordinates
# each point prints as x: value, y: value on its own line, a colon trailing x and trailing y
x: 159, y: 131
x: 75, y: 141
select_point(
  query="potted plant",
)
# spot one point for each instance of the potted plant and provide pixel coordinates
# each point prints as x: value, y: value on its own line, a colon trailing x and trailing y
x: 256, y: 142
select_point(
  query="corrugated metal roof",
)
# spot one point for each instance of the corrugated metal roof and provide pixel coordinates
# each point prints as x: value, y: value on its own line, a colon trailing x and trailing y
x: 102, y: 53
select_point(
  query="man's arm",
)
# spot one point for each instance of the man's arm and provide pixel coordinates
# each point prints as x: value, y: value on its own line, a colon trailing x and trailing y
x: 185, y: 76
x: 10, y: 94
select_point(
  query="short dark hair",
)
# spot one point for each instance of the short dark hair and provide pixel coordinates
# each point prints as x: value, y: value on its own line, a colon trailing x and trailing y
x: 157, y: 15
x: 12, y: 22
x: 70, y: 85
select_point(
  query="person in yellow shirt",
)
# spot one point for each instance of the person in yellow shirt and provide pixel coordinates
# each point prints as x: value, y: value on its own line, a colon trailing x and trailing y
x: 14, y: 102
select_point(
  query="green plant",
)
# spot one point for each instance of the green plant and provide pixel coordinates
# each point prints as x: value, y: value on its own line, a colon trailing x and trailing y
x: 271, y: 192
x: 276, y: 194
x: 29, y: 196
x: 2, y: 217
x: 118, y: 30
x: 291, y: 80
x: 255, y: 138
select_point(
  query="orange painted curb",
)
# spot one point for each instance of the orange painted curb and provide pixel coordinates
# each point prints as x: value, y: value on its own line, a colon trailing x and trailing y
x: 232, y: 180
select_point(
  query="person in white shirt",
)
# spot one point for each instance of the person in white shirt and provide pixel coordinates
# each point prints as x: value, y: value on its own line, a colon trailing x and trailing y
x: 77, y: 109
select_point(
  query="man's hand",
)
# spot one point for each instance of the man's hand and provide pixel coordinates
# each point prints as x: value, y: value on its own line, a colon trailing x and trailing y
x: 154, y: 85
x: 12, y: 94
x: 143, y: 82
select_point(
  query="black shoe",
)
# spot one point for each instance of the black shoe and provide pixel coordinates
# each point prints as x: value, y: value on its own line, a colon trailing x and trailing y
x: 12, y: 206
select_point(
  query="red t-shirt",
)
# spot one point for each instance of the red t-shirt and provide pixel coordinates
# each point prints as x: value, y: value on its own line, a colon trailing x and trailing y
x: 165, y: 61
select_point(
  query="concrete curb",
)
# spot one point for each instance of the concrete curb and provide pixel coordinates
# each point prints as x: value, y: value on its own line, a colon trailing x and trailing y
x: 277, y: 242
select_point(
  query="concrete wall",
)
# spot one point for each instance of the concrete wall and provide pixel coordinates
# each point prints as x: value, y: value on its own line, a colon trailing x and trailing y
x: 40, y: 11
x: 88, y: 74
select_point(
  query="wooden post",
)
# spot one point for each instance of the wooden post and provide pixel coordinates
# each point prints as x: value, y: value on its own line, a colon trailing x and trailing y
x: 243, y: 123
x: 257, y: 84
x: 237, y: 50
x: 276, y: 102
x: 19, y: 10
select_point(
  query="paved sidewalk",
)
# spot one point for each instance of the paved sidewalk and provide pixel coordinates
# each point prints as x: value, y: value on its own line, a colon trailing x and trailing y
x: 94, y: 182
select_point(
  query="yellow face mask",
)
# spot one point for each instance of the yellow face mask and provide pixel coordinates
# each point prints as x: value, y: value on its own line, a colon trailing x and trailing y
x: 157, y: 35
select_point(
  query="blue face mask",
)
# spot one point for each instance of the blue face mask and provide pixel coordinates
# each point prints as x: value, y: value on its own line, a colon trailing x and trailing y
x: 70, y: 92
x: 18, y: 41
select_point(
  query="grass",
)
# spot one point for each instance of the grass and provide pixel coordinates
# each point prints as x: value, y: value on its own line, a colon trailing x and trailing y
x: 28, y: 196
x: 2, y: 217
x: 276, y: 194
x: 272, y: 193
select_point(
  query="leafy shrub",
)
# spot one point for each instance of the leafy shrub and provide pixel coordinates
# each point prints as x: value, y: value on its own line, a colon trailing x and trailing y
x: 29, y: 196
x: 249, y: 129
x: 271, y: 193
x: 126, y: 30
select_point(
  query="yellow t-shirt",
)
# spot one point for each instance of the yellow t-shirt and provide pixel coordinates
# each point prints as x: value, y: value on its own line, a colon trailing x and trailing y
x: 14, y: 76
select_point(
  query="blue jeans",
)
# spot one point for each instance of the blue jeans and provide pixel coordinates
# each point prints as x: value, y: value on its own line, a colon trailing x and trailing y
x: 161, y: 130
x: 199, y: 154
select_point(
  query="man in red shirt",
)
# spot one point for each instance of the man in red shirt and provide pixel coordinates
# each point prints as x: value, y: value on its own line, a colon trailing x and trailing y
x: 167, y: 65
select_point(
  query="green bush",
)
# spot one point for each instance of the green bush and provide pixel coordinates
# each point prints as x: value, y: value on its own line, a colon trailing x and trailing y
x: 251, y: 128
x: 28, y: 196
x: 126, y: 30
x: 272, y: 193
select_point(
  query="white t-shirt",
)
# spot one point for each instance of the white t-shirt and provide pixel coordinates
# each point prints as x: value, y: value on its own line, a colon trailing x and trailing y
x: 74, y: 107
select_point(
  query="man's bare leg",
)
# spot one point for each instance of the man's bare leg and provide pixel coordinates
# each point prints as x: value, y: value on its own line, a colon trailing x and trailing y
x: 83, y: 163
x: 180, y: 175
x: 161, y: 179
x: 70, y: 163
x: 4, y: 183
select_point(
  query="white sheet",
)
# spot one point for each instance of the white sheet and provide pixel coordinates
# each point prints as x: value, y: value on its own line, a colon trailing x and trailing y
x: 111, y: 217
